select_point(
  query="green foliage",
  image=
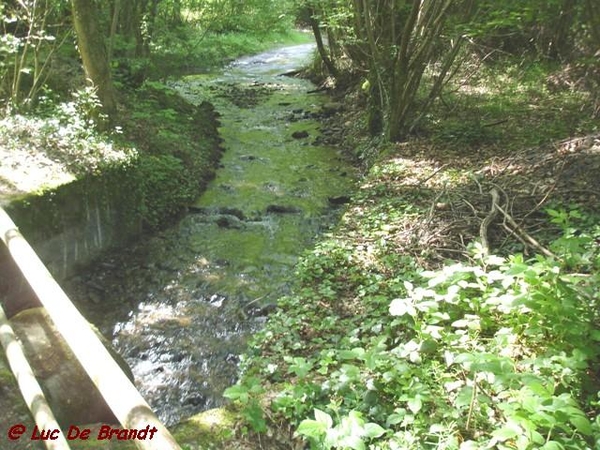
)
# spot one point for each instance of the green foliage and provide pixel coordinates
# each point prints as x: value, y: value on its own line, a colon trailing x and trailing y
x: 546, y: 28
x: 350, y: 433
x: 65, y: 132
x: 177, y: 142
x: 382, y: 44
x: 165, y: 185
x: 510, y: 105
x: 499, y: 352
x: 248, y: 396
x: 193, y: 48
x: 30, y: 33
x: 256, y: 16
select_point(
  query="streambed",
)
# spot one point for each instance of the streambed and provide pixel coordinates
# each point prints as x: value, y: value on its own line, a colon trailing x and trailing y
x: 181, y: 306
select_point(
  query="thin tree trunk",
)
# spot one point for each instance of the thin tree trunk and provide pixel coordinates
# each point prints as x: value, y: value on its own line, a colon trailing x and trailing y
x: 93, y: 53
x: 113, y: 28
x: 320, y: 46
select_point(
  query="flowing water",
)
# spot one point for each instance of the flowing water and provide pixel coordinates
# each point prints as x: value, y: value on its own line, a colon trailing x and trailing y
x: 181, y: 306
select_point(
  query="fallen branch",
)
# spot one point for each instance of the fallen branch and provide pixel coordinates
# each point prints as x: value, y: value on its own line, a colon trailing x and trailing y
x: 421, y: 183
x: 526, y: 236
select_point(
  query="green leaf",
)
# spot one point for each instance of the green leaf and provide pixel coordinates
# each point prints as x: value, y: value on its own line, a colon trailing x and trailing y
x: 536, y: 437
x: 311, y: 428
x: 505, y: 433
x: 517, y: 269
x: 462, y: 323
x: 582, y: 424
x: 552, y: 445
x: 237, y: 392
x: 415, y: 404
x: 347, y: 354
x: 372, y: 430
x: 353, y: 442
x: 531, y: 403
x: 253, y: 413
x: 402, y: 306
x: 324, y: 418
x: 464, y: 397
x: 536, y: 386
x: 395, y: 418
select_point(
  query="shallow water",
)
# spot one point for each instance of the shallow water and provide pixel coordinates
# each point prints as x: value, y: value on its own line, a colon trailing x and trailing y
x: 181, y: 306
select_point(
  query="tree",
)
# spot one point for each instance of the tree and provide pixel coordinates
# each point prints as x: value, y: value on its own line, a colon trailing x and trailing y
x: 418, y: 38
x: 391, y: 43
x: 90, y: 42
x: 30, y: 34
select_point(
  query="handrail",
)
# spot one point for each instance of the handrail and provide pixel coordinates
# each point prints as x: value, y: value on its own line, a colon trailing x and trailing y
x: 28, y: 385
x: 123, y: 398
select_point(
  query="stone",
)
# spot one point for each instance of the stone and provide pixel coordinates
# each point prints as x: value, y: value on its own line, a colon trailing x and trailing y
x: 233, y: 212
x: 300, y: 134
x: 283, y: 209
x: 339, y: 200
x: 229, y: 221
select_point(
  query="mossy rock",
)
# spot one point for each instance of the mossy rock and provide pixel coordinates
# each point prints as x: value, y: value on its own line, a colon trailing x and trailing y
x: 212, y: 429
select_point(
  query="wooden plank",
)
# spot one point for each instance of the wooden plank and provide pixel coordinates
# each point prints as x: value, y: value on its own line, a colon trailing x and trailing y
x: 30, y: 389
x: 120, y: 394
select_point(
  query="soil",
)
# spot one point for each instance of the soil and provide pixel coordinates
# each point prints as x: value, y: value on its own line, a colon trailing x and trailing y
x: 28, y: 169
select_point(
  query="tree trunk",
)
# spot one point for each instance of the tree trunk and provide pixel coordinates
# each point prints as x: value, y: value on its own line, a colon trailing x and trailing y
x: 176, y: 18
x: 113, y: 28
x: 560, y: 45
x: 93, y: 53
x: 131, y: 27
x: 314, y: 24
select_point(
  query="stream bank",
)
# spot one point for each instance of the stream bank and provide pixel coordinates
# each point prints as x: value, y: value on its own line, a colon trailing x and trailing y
x: 181, y: 306
x: 106, y: 206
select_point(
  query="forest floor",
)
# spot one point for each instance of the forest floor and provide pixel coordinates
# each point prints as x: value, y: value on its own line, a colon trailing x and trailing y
x: 508, y: 163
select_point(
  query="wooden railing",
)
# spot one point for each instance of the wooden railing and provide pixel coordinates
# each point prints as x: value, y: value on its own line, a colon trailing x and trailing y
x: 120, y: 394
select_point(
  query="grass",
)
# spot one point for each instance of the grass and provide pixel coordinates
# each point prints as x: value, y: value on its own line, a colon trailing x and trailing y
x: 511, y: 106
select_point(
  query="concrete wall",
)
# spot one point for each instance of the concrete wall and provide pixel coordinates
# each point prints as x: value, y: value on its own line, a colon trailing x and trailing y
x: 73, y: 224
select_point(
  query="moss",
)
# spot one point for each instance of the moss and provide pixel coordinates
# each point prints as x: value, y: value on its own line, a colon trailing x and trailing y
x: 212, y: 429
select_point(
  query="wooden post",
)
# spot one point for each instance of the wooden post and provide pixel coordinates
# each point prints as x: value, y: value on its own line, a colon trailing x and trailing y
x: 120, y: 394
x: 30, y: 389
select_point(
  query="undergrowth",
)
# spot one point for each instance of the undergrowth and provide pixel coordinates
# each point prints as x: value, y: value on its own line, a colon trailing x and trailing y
x: 493, y: 352
x: 400, y: 334
x: 509, y: 105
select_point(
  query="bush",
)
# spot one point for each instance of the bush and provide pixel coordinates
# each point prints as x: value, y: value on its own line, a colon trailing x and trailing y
x: 500, y: 352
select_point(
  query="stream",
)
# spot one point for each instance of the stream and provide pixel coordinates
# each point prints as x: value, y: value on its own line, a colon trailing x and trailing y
x: 181, y: 306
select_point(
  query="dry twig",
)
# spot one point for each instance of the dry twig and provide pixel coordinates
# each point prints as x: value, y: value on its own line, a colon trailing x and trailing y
x: 526, y: 236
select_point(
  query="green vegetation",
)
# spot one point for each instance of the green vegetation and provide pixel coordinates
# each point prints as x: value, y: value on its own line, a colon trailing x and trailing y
x: 425, y: 320
x: 403, y: 54
x: 192, y: 50
x: 506, y: 102
x: 50, y: 118
x: 490, y: 352
x: 456, y: 305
